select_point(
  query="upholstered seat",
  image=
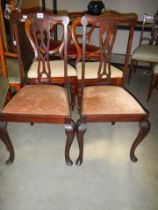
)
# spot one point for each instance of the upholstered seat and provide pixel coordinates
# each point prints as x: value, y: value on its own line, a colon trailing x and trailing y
x: 92, y: 70
x: 39, y: 100
x: 56, y: 69
x: 146, y: 53
x: 97, y: 99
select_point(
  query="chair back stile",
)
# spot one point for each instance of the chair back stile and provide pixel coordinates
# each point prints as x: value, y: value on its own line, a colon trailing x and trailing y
x: 129, y: 19
x: 2, y: 57
x: 23, y: 46
x: 153, y: 38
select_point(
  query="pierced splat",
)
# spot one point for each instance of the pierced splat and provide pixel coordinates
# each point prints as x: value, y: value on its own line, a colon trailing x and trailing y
x: 40, y: 33
x: 106, y: 39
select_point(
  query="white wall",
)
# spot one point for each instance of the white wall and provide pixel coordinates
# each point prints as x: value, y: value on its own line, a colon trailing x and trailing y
x: 138, y: 6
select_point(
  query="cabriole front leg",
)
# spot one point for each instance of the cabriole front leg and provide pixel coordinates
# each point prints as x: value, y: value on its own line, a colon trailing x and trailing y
x: 70, y: 132
x: 81, y: 129
x: 6, y: 140
x: 143, y: 131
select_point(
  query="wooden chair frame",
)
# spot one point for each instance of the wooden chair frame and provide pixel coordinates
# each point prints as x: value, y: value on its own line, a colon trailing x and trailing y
x: 42, y: 118
x: 26, y: 62
x: 103, y: 23
x: 121, y: 19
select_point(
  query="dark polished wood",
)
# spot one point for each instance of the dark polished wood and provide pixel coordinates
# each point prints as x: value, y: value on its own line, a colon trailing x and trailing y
x: 91, y: 111
x: 144, y: 130
x: 153, y: 83
x: 6, y: 140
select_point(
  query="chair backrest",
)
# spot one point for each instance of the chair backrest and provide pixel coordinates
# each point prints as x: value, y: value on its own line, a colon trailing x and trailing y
x: 107, y: 26
x: 118, y: 19
x: 22, y: 44
x: 39, y: 28
x: 151, y: 25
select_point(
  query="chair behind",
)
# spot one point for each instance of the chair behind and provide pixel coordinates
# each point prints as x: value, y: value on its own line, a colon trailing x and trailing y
x: 9, y: 66
x: 147, y: 49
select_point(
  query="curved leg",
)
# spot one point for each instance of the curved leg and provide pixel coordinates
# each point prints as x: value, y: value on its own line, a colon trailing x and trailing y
x: 81, y: 129
x: 70, y: 132
x: 6, y: 140
x: 144, y: 130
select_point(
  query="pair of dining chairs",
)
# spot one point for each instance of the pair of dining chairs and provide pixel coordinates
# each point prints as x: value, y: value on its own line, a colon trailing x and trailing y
x: 44, y: 99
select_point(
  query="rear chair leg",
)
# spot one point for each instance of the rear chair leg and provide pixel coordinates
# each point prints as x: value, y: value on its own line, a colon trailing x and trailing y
x: 144, y: 130
x: 81, y: 129
x: 6, y: 140
x: 132, y: 69
x: 153, y: 82
x: 70, y: 132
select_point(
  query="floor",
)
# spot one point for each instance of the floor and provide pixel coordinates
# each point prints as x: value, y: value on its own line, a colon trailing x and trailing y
x: 40, y: 180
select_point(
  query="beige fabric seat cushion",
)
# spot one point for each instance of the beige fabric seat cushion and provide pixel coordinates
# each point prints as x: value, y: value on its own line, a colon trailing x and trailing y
x: 102, y: 100
x: 91, y: 70
x: 156, y: 69
x: 57, y: 69
x: 146, y: 53
x: 39, y: 100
